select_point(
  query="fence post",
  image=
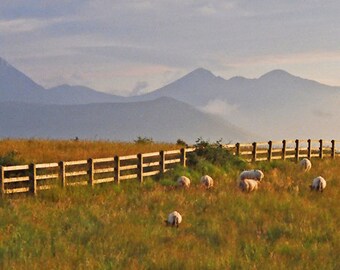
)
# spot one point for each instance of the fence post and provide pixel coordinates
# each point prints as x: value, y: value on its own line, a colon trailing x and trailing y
x: 183, y: 157
x: 117, y: 169
x: 237, y: 149
x: 90, y: 171
x: 62, y: 174
x: 2, y: 179
x: 297, y: 150
x: 254, y: 151
x: 162, y: 162
x: 321, y: 149
x: 333, y: 149
x: 309, y: 153
x: 33, y: 178
x: 284, y: 146
x: 140, y: 167
x: 270, y: 148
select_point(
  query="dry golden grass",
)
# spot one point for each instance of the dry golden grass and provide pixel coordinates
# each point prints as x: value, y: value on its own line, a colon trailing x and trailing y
x: 38, y: 151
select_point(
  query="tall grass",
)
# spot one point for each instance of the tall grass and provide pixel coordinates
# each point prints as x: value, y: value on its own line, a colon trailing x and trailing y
x: 38, y: 151
x: 122, y: 227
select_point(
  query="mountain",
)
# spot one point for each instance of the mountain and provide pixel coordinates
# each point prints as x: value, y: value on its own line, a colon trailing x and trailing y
x: 15, y: 86
x: 67, y: 95
x: 276, y: 105
x: 163, y: 119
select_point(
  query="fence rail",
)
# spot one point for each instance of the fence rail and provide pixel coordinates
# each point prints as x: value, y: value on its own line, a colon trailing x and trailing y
x: 36, y: 177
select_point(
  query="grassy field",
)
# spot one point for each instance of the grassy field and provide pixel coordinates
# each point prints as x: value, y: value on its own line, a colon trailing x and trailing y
x: 40, y: 151
x: 122, y: 227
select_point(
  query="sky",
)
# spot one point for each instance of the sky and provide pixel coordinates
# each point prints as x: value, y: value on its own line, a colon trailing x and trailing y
x: 132, y: 47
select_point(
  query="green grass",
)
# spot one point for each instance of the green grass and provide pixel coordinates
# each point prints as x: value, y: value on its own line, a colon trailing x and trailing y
x: 122, y: 227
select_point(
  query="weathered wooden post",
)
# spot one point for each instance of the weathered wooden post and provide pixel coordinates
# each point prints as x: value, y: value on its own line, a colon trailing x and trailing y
x: 140, y: 167
x: 117, y: 169
x: 62, y: 174
x: 162, y: 162
x: 284, y: 147
x: 33, y: 178
x: 183, y: 157
x: 90, y: 172
x: 2, y: 180
x: 237, y: 149
x: 333, y: 149
x: 297, y: 150
x: 254, y: 151
x: 309, y: 149
x: 270, y: 150
x: 321, y: 149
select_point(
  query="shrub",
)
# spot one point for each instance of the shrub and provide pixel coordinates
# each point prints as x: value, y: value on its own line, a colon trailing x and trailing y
x: 214, y: 153
x: 143, y: 140
x: 10, y: 158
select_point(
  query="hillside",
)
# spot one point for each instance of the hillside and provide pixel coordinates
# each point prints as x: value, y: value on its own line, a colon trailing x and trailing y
x: 163, y: 119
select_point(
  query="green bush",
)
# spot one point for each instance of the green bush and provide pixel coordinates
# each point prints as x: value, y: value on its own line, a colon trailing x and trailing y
x: 143, y: 140
x: 10, y: 158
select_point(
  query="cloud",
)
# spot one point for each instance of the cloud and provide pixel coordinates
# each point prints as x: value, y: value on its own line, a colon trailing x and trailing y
x: 219, y: 107
x: 139, y: 88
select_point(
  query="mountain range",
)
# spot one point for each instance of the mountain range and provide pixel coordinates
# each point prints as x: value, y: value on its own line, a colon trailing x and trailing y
x: 276, y: 105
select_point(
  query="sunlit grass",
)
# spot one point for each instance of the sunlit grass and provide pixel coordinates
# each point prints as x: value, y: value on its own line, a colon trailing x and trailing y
x: 122, y: 226
x: 35, y: 151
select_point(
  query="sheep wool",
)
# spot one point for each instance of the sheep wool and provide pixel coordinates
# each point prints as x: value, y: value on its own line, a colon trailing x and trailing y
x: 252, y: 174
x: 183, y: 181
x: 207, y: 181
x: 174, y: 219
x: 249, y: 185
x: 305, y: 164
x: 318, y: 184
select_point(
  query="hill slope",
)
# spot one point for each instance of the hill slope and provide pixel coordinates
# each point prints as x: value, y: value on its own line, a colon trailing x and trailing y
x: 163, y: 119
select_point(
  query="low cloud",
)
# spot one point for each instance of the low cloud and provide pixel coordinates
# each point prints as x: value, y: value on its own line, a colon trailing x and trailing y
x: 219, y: 107
x: 140, y: 88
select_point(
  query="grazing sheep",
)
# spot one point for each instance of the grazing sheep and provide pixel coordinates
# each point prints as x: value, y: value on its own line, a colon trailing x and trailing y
x: 319, y: 184
x: 174, y: 219
x: 249, y: 185
x: 252, y: 174
x: 207, y: 181
x: 183, y: 181
x: 305, y: 164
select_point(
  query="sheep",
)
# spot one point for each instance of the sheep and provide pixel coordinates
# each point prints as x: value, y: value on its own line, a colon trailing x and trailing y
x: 318, y: 184
x: 207, y: 181
x: 183, y: 181
x: 305, y: 164
x: 248, y: 185
x: 174, y: 219
x: 252, y: 174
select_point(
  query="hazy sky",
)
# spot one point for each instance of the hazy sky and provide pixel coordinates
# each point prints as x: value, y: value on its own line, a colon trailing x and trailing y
x: 125, y: 47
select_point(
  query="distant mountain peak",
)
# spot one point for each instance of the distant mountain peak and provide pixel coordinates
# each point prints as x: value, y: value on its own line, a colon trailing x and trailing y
x: 201, y: 72
x: 277, y: 73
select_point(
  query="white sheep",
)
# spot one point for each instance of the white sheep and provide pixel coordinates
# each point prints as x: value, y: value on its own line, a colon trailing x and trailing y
x: 249, y: 185
x: 319, y: 184
x: 174, y: 219
x: 252, y: 174
x: 305, y: 164
x: 207, y: 181
x: 183, y: 181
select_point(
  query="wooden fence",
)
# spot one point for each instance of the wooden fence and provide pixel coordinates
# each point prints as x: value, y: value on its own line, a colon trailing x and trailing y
x: 36, y: 177
x: 286, y: 149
